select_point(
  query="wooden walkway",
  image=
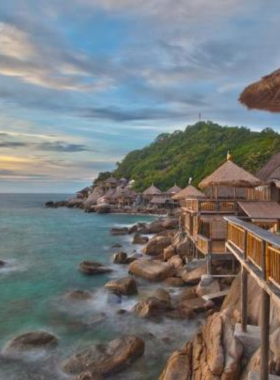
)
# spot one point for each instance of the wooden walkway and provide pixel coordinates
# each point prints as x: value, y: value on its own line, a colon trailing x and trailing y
x: 258, y: 252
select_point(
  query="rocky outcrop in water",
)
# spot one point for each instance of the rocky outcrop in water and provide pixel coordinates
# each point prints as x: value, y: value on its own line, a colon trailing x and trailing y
x: 119, y: 231
x: 156, y: 245
x: 106, y: 359
x: 179, y: 365
x: 93, y: 268
x: 2, y: 263
x: 79, y: 295
x: 151, y: 270
x: 31, y: 341
x: 139, y: 239
x: 124, y: 286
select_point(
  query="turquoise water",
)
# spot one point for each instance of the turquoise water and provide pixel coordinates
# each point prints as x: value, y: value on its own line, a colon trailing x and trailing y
x: 42, y: 248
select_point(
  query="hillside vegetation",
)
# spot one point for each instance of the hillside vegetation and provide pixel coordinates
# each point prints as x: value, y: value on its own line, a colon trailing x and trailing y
x: 196, y: 152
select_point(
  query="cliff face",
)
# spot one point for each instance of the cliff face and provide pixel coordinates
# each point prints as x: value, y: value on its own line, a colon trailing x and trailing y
x: 232, y: 302
x: 215, y: 353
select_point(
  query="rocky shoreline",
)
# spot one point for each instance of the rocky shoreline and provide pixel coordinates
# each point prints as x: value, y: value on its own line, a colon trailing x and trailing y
x: 164, y: 285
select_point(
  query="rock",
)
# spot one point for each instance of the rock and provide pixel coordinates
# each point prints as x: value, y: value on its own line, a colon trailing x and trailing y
x: 156, y: 245
x: 163, y: 296
x: 106, y: 359
x: 168, y: 252
x: 151, y: 307
x: 114, y: 299
x: 174, y: 282
x: 120, y: 258
x: 75, y: 203
x: 92, y: 268
x: 2, y: 263
x: 79, y: 295
x: 139, y: 239
x: 119, y: 231
x: 186, y: 294
x: 151, y: 270
x: 89, y: 376
x: 116, y: 245
x: 133, y: 229
x: 125, y: 286
x: 181, y: 313
x: 194, y: 277
x: 176, y: 261
x: 197, y: 305
x: 170, y: 224
x: 103, y: 208
x: 179, y: 365
x: 207, y: 285
x: 50, y: 204
x: 30, y: 341
x: 151, y: 228
x: 216, y: 352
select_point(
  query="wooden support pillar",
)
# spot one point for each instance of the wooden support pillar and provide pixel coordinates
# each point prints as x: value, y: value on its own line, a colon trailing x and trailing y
x: 264, y: 370
x: 244, y: 299
x: 209, y: 263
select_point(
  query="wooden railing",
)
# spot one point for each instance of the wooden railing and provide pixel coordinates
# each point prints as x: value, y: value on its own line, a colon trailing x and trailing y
x: 210, y: 205
x: 257, y: 246
x: 203, y: 244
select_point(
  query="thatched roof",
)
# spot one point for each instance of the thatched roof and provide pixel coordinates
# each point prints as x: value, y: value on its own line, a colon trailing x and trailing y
x: 229, y: 174
x: 271, y: 170
x: 160, y: 199
x: 152, y: 190
x: 188, y: 192
x: 261, y: 210
x: 174, y: 189
x: 264, y: 94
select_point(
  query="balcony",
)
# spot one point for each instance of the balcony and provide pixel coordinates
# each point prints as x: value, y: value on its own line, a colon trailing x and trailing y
x: 210, y: 206
x: 258, y: 247
x: 206, y: 245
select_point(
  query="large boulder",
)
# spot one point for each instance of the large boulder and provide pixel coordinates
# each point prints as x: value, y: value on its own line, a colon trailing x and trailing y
x: 125, y: 286
x: 169, y: 252
x: 92, y: 268
x: 155, y: 306
x: 156, y: 245
x: 176, y: 261
x: 151, y: 228
x: 216, y: 352
x: 170, y: 223
x: 179, y: 365
x: 106, y: 359
x: 193, y: 277
x: 139, y: 239
x: 151, y: 270
x: 31, y: 341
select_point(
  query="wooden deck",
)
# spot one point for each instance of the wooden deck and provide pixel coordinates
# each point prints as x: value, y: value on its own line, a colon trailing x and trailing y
x: 258, y: 252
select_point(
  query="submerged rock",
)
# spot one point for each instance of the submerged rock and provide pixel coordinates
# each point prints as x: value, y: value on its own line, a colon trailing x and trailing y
x: 92, y: 267
x: 30, y: 341
x: 125, y: 286
x: 2, y: 263
x: 106, y: 359
x: 151, y: 270
x: 119, y: 231
x: 79, y: 295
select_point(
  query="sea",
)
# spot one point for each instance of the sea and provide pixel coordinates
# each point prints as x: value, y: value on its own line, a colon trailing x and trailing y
x: 42, y: 248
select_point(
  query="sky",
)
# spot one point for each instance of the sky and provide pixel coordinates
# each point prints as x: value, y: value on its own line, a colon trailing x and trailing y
x: 83, y: 82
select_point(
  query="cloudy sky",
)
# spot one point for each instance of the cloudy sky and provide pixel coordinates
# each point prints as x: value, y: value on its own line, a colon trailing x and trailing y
x: 83, y: 82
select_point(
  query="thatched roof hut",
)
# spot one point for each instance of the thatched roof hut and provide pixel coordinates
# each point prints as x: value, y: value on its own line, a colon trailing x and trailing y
x: 152, y: 190
x: 264, y: 94
x: 229, y: 174
x: 160, y: 199
x: 271, y: 170
x: 189, y: 192
x: 174, y: 190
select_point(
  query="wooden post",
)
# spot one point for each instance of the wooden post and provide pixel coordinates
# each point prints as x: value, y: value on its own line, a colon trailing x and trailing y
x: 209, y: 258
x: 263, y: 258
x: 264, y: 370
x: 245, y: 245
x: 244, y: 298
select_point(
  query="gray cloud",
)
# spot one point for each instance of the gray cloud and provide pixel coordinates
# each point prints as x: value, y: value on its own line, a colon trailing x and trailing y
x: 60, y: 146
x: 12, y: 144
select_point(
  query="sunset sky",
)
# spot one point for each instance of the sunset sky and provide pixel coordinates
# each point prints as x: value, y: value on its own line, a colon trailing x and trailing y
x: 83, y: 82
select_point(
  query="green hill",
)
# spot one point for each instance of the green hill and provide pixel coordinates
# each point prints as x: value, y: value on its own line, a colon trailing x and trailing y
x: 195, y: 153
